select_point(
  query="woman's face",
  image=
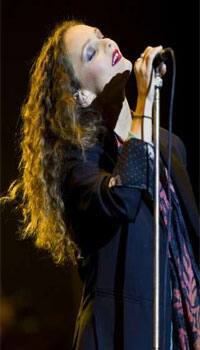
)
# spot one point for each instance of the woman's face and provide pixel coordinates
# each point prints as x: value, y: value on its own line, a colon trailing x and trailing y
x: 95, y: 59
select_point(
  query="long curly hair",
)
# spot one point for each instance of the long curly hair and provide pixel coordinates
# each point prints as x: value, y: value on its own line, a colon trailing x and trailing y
x: 51, y: 121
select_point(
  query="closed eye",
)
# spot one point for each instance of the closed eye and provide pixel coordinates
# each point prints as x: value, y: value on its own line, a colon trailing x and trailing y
x: 90, y: 52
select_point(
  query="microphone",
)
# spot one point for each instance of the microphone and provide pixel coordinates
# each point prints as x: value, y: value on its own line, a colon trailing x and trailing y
x: 161, y: 57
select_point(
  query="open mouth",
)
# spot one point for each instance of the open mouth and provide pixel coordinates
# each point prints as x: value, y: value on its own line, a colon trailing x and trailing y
x: 116, y: 56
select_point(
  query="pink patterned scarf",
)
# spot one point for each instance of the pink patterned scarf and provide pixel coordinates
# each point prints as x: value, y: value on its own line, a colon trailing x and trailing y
x: 185, y: 275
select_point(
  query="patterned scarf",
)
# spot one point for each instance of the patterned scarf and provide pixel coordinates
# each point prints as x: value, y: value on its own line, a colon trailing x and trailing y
x: 185, y: 276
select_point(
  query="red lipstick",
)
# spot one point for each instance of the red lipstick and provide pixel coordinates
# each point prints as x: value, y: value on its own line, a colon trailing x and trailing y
x: 116, y: 56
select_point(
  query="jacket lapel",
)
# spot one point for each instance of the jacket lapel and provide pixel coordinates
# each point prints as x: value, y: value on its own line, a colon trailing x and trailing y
x: 110, y: 151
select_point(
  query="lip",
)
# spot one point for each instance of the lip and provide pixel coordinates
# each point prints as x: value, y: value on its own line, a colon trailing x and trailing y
x: 118, y: 58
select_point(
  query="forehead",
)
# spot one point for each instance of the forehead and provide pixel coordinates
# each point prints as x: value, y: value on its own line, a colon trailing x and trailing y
x: 76, y: 36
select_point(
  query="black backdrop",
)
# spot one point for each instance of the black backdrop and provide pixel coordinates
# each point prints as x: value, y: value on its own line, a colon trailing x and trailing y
x: 39, y: 301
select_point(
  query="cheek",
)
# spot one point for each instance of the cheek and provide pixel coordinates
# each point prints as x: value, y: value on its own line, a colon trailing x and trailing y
x: 97, y: 70
x: 98, y: 74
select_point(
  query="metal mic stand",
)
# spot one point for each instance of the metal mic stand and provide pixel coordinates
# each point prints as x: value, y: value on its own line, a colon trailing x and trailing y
x: 156, y: 262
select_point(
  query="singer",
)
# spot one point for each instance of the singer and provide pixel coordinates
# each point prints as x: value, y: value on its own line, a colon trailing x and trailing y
x: 86, y: 192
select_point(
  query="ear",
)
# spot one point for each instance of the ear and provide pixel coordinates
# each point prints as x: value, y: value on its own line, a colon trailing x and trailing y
x: 84, y: 97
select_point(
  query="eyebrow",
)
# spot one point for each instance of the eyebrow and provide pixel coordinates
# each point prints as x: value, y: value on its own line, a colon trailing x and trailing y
x: 96, y: 31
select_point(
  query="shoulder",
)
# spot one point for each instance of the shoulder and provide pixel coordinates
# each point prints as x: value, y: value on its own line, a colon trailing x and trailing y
x: 104, y: 152
x: 90, y: 154
x: 177, y: 145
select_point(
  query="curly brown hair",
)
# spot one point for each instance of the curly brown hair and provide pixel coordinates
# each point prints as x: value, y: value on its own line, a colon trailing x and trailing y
x: 51, y: 121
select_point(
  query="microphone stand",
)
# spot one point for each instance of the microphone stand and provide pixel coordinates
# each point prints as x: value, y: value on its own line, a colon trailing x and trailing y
x: 156, y: 261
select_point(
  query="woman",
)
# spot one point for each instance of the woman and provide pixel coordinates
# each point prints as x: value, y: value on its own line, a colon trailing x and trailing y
x: 87, y: 191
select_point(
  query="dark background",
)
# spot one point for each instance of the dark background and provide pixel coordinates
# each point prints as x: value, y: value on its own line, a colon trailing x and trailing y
x: 39, y: 301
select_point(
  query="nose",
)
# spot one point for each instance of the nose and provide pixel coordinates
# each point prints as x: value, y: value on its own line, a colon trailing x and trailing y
x: 108, y: 44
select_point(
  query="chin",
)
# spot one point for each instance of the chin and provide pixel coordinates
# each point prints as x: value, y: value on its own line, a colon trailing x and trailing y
x: 124, y: 65
x: 128, y: 65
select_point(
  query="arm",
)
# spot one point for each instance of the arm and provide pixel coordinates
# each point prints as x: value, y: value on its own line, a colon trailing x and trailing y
x: 142, y: 123
x: 117, y: 195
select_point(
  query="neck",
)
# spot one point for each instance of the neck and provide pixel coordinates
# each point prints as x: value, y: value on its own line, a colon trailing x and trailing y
x: 124, y: 121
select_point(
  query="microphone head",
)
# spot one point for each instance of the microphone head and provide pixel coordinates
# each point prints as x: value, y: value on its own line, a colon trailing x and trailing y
x: 161, y: 57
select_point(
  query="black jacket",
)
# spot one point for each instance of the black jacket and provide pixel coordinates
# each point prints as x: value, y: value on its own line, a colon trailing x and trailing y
x: 113, y: 226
